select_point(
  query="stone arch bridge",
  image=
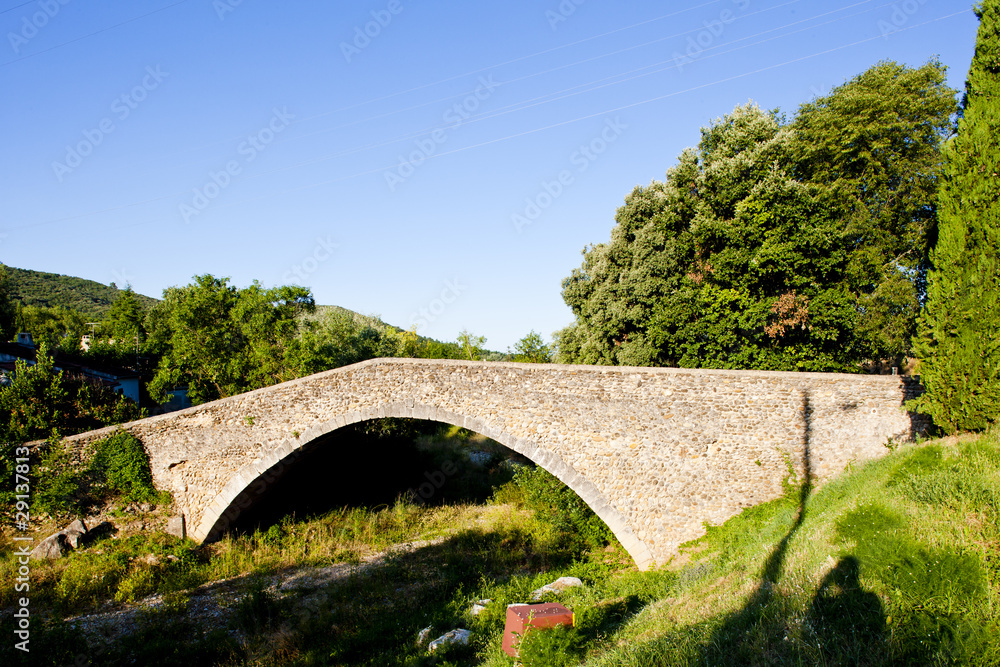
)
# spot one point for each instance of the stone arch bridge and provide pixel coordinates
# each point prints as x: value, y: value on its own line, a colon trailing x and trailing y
x: 655, y: 452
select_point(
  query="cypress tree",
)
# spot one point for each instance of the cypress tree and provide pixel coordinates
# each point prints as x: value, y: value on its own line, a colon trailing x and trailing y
x: 959, y: 331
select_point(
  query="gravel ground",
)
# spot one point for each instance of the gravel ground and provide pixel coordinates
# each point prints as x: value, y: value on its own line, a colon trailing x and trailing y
x: 211, y: 605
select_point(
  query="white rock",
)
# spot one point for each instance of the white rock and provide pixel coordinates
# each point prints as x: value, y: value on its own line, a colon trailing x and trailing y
x: 75, y: 533
x: 423, y: 635
x: 459, y: 636
x: 557, y: 586
x: 480, y: 606
x: 53, y: 546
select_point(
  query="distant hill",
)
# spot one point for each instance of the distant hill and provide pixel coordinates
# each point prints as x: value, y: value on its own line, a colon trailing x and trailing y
x: 432, y: 347
x: 90, y: 298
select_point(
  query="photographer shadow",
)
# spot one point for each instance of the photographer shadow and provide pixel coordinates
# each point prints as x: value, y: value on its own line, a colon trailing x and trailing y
x: 845, y: 617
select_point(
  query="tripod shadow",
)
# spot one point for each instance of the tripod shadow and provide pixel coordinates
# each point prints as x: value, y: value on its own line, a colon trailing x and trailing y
x: 749, y: 635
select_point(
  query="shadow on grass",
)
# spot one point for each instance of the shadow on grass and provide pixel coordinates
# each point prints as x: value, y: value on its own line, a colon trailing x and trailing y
x: 845, y: 619
x: 842, y: 615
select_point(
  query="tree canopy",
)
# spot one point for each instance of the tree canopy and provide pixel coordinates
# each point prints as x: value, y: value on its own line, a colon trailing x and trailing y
x: 220, y: 340
x: 532, y: 349
x: 125, y: 321
x: 776, y: 245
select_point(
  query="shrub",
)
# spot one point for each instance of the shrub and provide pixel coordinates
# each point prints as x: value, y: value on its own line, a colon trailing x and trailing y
x: 123, y: 465
x: 140, y: 582
x: 556, y: 504
x: 58, y: 486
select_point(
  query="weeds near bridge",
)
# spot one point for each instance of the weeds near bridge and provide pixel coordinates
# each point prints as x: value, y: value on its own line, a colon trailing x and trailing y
x: 116, y: 470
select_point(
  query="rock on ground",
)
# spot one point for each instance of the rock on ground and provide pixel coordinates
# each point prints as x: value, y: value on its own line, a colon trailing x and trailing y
x: 53, y: 546
x: 557, y: 586
x: 458, y: 636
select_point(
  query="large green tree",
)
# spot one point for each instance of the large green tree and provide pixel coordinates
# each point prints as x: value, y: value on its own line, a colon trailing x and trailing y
x: 40, y: 400
x: 774, y: 245
x: 341, y: 337
x: 959, y: 340
x: 874, y: 145
x: 220, y: 340
x: 58, y: 327
x: 532, y: 349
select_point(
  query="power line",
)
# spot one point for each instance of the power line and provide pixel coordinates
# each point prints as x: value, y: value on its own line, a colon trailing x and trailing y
x: 17, y: 6
x: 592, y: 115
x: 508, y: 82
x: 91, y: 34
x: 566, y: 93
x: 453, y: 78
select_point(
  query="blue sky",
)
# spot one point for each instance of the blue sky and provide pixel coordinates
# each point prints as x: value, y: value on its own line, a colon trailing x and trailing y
x: 439, y: 164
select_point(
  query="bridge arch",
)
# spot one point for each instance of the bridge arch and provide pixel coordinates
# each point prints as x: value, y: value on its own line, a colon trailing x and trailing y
x: 253, y: 479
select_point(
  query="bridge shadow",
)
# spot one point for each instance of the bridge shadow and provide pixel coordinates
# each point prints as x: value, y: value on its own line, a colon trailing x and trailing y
x: 767, y: 628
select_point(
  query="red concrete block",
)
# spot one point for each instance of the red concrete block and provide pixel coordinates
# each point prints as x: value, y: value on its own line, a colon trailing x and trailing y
x: 522, y: 617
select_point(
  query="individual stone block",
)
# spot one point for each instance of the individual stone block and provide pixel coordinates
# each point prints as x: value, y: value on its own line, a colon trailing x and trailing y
x: 458, y: 636
x: 75, y: 533
x: 557, y: 586
x: 175, y: 526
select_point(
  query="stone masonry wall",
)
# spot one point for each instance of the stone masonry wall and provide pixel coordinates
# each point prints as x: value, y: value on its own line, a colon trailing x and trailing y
x: 655, y: 451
